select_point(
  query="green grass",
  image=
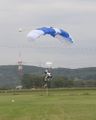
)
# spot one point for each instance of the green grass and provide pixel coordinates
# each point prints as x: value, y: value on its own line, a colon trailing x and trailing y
x: 66, y: 104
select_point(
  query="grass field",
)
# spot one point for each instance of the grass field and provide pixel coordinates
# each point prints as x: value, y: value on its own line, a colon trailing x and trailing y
x: 66, y: 104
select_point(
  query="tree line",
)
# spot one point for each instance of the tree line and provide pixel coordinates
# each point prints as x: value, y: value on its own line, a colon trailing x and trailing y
x: 37, y: 81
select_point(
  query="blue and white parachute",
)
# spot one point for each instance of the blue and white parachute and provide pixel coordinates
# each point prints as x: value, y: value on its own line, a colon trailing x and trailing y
x: 54, y: 32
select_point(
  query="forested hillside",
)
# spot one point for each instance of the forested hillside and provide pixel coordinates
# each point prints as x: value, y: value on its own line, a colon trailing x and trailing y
x: 10, y: 78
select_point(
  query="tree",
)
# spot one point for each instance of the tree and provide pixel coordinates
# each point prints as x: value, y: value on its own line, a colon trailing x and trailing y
x: 32, y: 81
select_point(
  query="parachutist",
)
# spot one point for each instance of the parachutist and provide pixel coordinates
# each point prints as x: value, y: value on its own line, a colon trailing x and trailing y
x: 47, y: 78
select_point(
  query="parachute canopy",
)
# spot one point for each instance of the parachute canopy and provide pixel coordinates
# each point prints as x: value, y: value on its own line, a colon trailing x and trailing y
x: 54, y: 32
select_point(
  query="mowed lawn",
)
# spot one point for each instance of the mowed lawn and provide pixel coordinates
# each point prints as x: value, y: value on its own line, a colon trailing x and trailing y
x: 67, y: 104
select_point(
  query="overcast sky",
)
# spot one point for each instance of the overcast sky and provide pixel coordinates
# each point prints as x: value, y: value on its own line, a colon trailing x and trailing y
x: 78, y: 17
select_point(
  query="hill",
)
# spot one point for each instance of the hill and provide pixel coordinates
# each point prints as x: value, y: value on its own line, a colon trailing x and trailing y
x: 9, y: 75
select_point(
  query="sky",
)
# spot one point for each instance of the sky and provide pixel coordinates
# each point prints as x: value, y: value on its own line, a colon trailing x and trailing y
x: 78, y: 17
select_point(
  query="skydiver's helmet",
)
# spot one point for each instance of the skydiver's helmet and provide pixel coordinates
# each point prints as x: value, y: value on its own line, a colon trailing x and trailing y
x: 49, y: 75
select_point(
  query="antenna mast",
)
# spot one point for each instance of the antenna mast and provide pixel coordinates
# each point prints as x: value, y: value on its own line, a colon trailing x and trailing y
x: 20, y: 66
